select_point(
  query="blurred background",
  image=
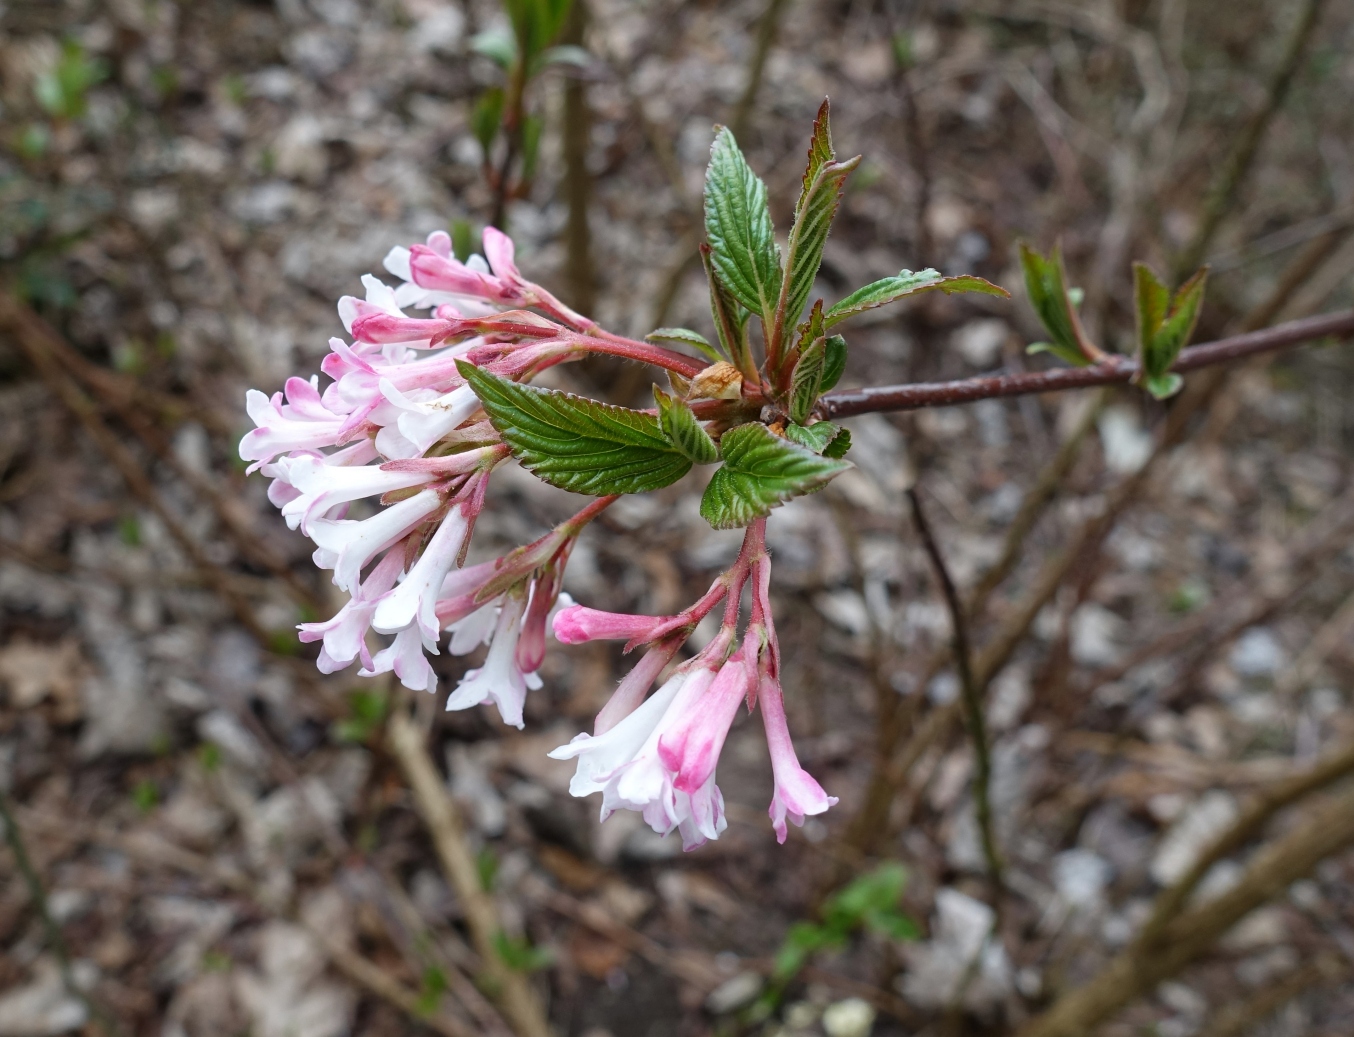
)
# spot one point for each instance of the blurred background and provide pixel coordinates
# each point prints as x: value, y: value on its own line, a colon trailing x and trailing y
x: 208, y: 837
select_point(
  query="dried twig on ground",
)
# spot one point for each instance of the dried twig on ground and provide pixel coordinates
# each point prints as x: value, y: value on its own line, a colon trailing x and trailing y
x: 510, y: 989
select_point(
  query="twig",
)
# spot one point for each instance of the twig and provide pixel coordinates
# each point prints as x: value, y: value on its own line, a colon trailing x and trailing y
x: 1331, y: 635
x: 1327, y: 830
x: 55, y: 940
x: 510, y: 989
x: 766, y: 36
x: 153, y: 849
x: 1238, y: 162
x: 1113, y: 371
x: 1238, y: 1019
x: 1334, y: 767
x: 16, y: 315
x: 972, y: 698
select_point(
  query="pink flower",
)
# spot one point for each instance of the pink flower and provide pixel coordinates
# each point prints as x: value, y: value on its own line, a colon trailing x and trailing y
x: 690, y: 748
x: 626, y: 766
x: 405, y: 656
x: 344, y: 635
x: 321, y: 486
x: 576, y: 625
x: 302, y: 423
x: 796, y: 794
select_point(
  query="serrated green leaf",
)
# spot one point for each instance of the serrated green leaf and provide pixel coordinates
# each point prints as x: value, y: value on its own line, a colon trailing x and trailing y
x: 687, y: 337
x: 807, y: 379
x: 1165, y: 325
x: 731, y: 319
x: 498, y: 45
x: 1046, y: 284
x: 761, y: 471
x: 814, y: 212
x: 575, y: 443
x: 822, y: 437
x: 907, y: 283
x: 738, y: 225
x: 834, y: 363
x: 683, y: 429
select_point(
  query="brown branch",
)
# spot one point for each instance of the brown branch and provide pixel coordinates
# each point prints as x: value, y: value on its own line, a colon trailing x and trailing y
x: 1240, y: 1018
x: 971, y: 696
x: 1326, y: 831
x: 510, y: 989
x: 580, y: 271
x: 1114, y: 371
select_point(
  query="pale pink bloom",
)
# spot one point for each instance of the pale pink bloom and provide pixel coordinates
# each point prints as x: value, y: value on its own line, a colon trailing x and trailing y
x: 406, y: 657
x: 322, y: 486
x: 625, y: 764
x: 633, y: 687
x: 302, y: 423
x: 579, y: 624
x: 380, y: 300
x: 474, y: 629
x: 280, y: 489
x: 421, y: 292
x: 347, y: 546
x: 345, y: 635
x: 499, y: 680
x: 421, y: 423
x: 690, y: 748
x: 415, y: 599
x: 797, y: 794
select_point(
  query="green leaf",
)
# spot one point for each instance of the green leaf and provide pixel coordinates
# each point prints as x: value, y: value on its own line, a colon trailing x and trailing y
x: 1163, y: 386
x: 498, y: 45
x: 807, y: 379
x: 738, y: 224
x: 1046, y: 284
x: 575, y: 443
x: 822, y: 437
x: 907, y: 283
x: 874, y: 892
x: 1068, y: 353
x: 834, y: 362
x: 687, y: 337
x: 801, y: 941
x: 731, y: 319
x: 684, y: 430
x: 893, y: 924
x: 519, y: 955
x: 1165, y: 324
x: 761, y: 471
x: 564, y: 54
x: 814, y: 213
x: 486, y: 118
x: 462, y: 240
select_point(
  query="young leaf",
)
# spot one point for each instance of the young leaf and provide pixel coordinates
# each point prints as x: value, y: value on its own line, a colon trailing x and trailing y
x: 486, y: 117
x: 760, y: 472
x: 738, y: 224
x: 814, y: 213
x: 684, y: 430
x: 907, y: 283
x: 731, y: 319
x: 1164, y: 326
x: 564, y: 54
x: 687, y: 337
x: 1046, y: 283
x: 807, y: 380
x: 532, y: 127
x: 575, y: 443
x: 834, y: 361
x: 498, y: 45
x: 822, y: 437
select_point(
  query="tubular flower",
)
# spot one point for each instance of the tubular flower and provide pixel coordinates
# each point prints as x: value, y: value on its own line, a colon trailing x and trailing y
x: 398, y: 427
x: 658, y: 755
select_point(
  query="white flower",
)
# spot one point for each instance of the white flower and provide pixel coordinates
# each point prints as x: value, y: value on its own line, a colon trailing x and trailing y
x: 322, y: 486
x: 421, y: 423
x: 415, y: 599
x: 347, y: 546
x: 405, y: 656
x: 499, y: 680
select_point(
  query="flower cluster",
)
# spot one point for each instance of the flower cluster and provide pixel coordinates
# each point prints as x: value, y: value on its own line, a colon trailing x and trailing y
x: 658, y: 755
x: 397, y: 426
